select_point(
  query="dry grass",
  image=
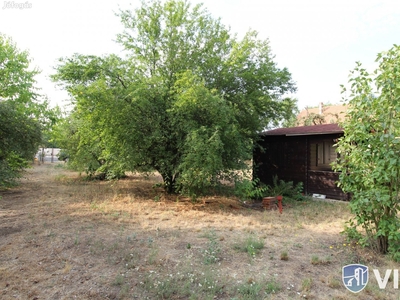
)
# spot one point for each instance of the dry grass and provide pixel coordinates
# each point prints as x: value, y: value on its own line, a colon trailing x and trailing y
x: 62, y: 237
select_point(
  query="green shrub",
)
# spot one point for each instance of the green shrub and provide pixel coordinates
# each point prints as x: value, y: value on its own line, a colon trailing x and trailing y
x: 283, y: 188
x: 10, y: 169
x: 249, y: 189
x: 369, y: 155
x: 63, y: 155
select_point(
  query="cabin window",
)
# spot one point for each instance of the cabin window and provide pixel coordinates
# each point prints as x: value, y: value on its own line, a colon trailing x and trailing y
x: 322, y: 155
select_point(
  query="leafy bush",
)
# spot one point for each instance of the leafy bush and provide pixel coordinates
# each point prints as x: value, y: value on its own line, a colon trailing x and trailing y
x: 369, y: 155
x: 11, y: 168
x: 288, y: 189
x: 254, y: 189
x: 63, y: 155
x: 249, y: 189
x: 19, y: 139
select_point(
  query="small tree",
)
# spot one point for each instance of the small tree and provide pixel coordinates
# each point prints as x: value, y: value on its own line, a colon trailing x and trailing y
x: 370, y: 154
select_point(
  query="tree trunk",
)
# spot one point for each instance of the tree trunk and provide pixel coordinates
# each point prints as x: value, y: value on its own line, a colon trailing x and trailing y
x: 169, y: 182
x: 383, y: 244
x: 169, y: 185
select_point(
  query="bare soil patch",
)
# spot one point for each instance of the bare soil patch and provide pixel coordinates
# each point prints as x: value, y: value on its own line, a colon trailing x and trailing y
x: 62, y: 237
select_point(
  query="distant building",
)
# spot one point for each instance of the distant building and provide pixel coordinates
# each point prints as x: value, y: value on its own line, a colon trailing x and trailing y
x: 323, y: 114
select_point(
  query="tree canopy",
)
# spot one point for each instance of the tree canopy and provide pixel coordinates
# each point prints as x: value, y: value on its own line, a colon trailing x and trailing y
x: 188, y: 100
x: 17, y: 80
x: 370, y: 154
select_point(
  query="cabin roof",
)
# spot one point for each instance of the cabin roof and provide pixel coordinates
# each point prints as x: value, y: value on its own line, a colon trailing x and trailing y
x: 305, y: 130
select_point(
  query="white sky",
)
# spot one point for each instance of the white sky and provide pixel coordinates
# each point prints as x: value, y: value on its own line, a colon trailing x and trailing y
x: 319, y: 41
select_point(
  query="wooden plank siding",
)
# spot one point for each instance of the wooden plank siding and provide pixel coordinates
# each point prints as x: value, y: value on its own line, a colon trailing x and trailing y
x: 297, y: 159
x: 324, y: 182
x: 282, y: 156
x: 320, y: 177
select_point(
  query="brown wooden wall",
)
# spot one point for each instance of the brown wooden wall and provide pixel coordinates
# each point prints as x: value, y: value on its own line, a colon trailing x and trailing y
x: 324, y: 182
x: 284, y: 156
x: 289, y: 157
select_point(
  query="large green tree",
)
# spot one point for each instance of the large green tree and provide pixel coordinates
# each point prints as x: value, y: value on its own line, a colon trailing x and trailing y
x: 370, y: 154
x: 188, y: 100
x: 20, y: 130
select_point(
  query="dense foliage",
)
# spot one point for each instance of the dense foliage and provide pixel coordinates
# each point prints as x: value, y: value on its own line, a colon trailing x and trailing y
x: 16, y: 79
x: 19, y: 140
x: 20, y: 132
x: 370, y: 154
x: 187, y: 101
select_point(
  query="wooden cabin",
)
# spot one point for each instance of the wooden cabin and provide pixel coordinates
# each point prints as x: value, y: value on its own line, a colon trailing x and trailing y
x: 301, y: 154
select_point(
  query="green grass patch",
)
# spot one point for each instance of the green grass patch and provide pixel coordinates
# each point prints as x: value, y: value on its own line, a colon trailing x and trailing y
x: 251, y: 245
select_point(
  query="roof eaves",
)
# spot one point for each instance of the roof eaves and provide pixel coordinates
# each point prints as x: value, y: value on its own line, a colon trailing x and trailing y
x: 313, y: 133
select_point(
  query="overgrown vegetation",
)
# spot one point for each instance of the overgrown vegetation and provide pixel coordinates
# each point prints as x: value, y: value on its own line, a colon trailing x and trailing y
x: 370, y: 154
x: 285, y: 188
x: 246, y: 189
x: 19, y: 139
